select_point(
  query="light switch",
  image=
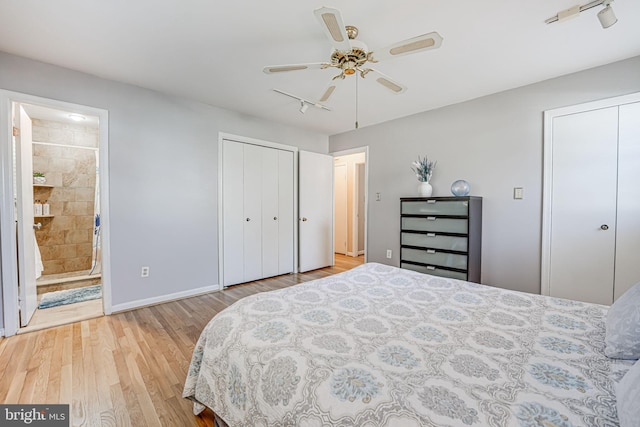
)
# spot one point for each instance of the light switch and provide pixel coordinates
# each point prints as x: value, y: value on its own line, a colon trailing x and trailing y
x: 518, y: 193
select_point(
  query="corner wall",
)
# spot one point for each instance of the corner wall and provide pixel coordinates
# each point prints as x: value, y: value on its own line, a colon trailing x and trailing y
x: 163, y: 174
x: 494, y: 142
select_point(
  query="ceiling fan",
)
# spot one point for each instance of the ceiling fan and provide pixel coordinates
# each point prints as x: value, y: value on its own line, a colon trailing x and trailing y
x: 352, y: 56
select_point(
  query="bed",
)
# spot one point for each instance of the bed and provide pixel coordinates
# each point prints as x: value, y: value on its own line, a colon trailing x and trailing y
x: 382, y: 346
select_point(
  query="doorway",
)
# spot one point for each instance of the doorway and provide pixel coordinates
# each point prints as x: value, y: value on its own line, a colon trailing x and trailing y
x: 350, y: 207
x: 56, y: 271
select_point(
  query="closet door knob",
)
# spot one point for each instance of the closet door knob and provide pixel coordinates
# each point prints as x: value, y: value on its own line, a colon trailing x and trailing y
x: 275, y: 218
x: 248, y: 219
x: 604, y: 227
x: 304, y: 219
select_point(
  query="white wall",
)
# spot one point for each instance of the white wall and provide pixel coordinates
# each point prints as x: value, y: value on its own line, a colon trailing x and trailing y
x: 495, y: 143
x: 163, y: 174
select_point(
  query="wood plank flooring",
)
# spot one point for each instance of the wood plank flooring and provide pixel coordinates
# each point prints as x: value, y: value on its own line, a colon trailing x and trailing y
x: 127, y: 369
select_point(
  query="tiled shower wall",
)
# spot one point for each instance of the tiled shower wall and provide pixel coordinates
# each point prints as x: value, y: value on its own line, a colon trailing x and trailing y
x: 65, y: 240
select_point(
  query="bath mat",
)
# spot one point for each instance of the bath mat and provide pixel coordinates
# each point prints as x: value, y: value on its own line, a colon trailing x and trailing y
x: 70, y: 296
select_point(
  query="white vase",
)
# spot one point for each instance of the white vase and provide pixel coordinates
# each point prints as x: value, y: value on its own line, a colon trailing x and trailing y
x: 425, y: 189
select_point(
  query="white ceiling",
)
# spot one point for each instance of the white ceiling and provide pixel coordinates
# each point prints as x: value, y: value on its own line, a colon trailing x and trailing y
x: 214, y: 51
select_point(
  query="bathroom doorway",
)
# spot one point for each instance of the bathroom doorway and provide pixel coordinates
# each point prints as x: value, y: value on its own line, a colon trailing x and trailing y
x: 56, y: 166
x: 350, y: 207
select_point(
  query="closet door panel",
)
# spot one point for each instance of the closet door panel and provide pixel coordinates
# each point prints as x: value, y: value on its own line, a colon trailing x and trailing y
x: 252, y: 194
x: 628, y: 221
x: 285, y: 212
x: 232, y: 212
x: 269, y: 212
x: 584, y: 205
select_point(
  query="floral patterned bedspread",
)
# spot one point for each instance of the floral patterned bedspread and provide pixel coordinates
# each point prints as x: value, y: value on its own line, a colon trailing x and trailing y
x: 381, y: 346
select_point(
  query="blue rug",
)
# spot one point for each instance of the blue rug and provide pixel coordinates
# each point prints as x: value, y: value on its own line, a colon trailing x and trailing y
x: 70, y: 296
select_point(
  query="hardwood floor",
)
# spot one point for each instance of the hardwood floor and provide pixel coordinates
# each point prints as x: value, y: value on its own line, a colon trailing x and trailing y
x: 127, y: 369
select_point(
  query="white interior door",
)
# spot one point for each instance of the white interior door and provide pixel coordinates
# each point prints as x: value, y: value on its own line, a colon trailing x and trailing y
x: 340, y: 209
x: 583, y: 217
x: 315, y: 210
x: 628, y: 220
x: 26, y: 236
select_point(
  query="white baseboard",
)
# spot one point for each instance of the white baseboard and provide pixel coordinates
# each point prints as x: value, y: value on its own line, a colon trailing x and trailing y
x: 163, y: 298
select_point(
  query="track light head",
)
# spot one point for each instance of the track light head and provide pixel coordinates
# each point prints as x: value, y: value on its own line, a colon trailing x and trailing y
x: 606, y: 16
x: 303, y: 107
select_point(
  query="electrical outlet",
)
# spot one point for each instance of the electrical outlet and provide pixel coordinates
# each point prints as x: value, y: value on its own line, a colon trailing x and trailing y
x: 144, y: 272
x: 388, y: 253
x: 518, y: 193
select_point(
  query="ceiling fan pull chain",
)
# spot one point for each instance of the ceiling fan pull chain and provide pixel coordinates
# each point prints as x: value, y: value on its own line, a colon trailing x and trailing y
x: 356, y: 102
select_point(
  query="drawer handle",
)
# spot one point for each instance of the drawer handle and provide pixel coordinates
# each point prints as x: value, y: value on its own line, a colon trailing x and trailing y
x: 431, y: 218
x: 431, y: 251
x: 431, y: 234
x: 430, y: 267
x: 431, y: 201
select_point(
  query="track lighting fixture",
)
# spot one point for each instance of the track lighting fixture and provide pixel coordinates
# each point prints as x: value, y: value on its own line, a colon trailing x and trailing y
x: 304, y: 103
x: 606, y: 16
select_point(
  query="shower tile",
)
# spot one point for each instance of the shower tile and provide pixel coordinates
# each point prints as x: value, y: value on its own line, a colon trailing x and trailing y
x: 85, y: 194
x: 66, y: 251
x: 85, y: 222
x: 77, y: 236
x: 53, y: 266
x: 62, y: 165
x: 76, y: 208
x: 52, y: 237
x: 85, y: 249
x: 75, y: 264
x: 63, y: 223
x: 41, y: 164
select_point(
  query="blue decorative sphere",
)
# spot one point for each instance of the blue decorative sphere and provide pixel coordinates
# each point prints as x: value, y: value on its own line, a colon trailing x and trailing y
x: 460, y: 188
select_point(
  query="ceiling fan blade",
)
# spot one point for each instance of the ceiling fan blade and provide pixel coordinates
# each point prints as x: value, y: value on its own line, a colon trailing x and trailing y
x: 405, y: 47
x: 331, y: 22
x: 387, y: 82
x: 330, y: 89
x: 272, y: 69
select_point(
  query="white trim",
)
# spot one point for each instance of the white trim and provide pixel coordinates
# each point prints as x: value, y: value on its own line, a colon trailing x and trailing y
x: 131, y: 305
x: 246, y: 140
x: 8, y: 251
x: 547, y: 173
x: 1, y: 332
x: 364, y: 150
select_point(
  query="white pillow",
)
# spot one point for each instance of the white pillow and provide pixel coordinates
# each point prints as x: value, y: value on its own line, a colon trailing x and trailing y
x: 622, y: 336
x: 628, y: 397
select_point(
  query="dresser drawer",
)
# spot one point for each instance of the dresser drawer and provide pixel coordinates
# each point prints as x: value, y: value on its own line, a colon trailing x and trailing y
x: 434, y: 271
x: 433, y: 257
x: 436, y: 207
x: 435, y: 241
x: 446, y: 225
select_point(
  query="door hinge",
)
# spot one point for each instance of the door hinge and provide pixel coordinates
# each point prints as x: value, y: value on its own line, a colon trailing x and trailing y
x: 16, y: 131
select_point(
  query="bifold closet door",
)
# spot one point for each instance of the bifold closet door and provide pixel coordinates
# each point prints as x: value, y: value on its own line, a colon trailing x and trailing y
x: 286, y: 220
x: 233, y: 212
x: 252, y: 194
x: 270, y: 214
x: 257, y: 212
